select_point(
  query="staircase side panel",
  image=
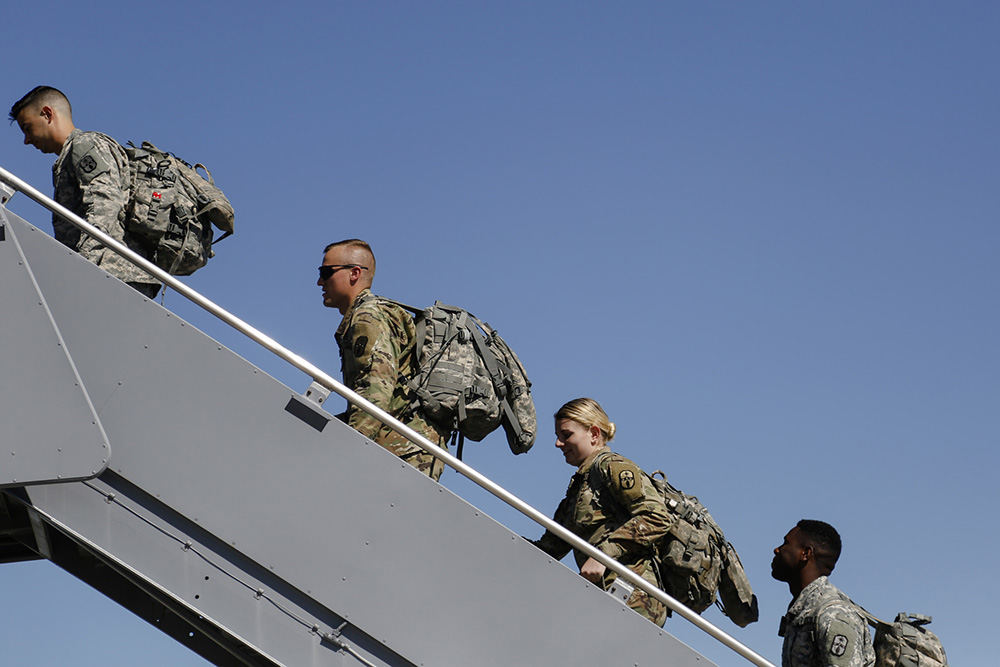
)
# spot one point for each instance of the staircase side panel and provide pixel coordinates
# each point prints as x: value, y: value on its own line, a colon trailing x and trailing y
x: 56, y: 434
x: 399, y: 556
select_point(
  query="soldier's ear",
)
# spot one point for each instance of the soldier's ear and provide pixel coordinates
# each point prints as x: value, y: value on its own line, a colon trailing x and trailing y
x: 47, y: 113
x: 595, y: 434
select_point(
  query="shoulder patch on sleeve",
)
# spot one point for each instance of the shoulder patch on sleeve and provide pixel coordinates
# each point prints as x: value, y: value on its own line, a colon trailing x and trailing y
x: 360, y: 345
x: 839, y: 635
x: 623, y: 476
x: 90, y: 159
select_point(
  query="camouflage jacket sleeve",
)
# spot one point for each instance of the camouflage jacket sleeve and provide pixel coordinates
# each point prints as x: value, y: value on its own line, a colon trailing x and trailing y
x: 634, y: 496
x: 371, y: 368
x: 841, y: 636
x: 551, y: 543
x: 103, y: 193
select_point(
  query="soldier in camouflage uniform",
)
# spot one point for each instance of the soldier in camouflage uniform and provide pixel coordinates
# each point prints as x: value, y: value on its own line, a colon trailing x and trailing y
x: 610, y: 503
x: 91, y: 178
x: 822, y: 628
x: 376, y: 340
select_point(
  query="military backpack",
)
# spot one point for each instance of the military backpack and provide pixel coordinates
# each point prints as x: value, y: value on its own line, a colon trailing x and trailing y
x: 467, y: 379
x: 172, y: 208
x: 906, y: 642
x: 696, y: 564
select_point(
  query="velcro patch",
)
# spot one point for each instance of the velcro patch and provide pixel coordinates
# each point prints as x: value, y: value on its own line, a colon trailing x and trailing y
x: 359, y: 345
x: 839, y: 645
x: 88, y: 163
x: 626, y: 479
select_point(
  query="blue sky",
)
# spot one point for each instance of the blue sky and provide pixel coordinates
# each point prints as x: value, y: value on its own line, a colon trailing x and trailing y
x: 762, y: 235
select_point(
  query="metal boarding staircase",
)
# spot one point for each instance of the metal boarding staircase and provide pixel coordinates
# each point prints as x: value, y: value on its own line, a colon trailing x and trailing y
x: 240, y: 518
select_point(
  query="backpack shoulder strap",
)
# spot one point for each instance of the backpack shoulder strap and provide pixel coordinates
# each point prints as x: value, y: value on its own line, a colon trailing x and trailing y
x: 870, y: 618
x: 497, y: 375
x: 598, y: 481
x: 415, y: 311
x: 420, y: 323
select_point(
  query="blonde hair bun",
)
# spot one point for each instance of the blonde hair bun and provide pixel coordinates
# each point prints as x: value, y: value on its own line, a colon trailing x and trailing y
x: 588, y: 412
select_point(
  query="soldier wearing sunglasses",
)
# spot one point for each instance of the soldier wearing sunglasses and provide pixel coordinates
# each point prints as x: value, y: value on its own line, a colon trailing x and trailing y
x: 376, y: 340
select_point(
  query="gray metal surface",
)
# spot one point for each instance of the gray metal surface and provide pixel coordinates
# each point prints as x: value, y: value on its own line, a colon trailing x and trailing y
x: 57, y: 434
x: 223, y: 501
x: 328, y: 382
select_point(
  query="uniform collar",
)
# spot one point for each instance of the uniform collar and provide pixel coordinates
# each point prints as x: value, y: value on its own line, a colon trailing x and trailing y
x: 808, y: 594
x: 64, y: 151
x: 362, y: 295
x: 589, y: 461
x: 800, y: 603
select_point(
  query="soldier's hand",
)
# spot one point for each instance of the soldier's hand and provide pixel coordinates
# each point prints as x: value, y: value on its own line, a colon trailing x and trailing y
x: 592, y: 571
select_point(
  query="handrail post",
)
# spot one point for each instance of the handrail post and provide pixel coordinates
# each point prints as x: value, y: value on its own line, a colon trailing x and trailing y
x: 354, y: 399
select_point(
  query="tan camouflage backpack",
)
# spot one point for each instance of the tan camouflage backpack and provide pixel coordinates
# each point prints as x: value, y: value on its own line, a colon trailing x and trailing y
x: 696, y: 564
x: 906, y: 643
x: 172, y: 208
x: 468, y: 380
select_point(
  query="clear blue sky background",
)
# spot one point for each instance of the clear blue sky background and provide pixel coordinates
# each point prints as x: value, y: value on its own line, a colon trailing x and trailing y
x: 763, y: 235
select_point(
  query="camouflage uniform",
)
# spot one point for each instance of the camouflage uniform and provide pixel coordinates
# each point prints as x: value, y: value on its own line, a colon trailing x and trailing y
x: 616, y: 509
x: 91, y: 178
x: 823, y: 628
x: 376, y: 340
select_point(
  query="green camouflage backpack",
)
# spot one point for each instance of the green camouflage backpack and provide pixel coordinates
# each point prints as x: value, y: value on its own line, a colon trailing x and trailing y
x: 172, y: 208
x: 696, y: 561
x: 906, y: 643
x: 468, y: 380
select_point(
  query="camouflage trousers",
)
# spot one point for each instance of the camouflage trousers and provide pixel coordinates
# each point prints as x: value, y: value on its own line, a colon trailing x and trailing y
x: 413, y: 454
x: 651, y: 608
x: 431, y: 466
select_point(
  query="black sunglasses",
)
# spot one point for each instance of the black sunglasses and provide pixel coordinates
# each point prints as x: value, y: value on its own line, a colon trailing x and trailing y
x: 328, y: 270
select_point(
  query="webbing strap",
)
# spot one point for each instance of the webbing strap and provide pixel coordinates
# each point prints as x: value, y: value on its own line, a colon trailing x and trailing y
x: 415, y: 311
x: 208, y: 174
x: 224, y: 235
x: 421, y: 331
x: 871, y: 619
x: 461, y: 408
x: 489, y: 360
x: 511, y: 418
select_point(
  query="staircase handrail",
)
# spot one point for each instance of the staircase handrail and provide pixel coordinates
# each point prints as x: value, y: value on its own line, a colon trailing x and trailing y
x: 335, y: 385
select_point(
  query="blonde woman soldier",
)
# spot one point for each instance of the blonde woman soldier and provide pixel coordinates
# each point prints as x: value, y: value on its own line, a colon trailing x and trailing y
x: 610, y: 503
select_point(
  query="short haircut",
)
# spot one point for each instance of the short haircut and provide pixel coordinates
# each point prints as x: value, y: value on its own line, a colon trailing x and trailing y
x: 40, y: 95
x: 825, y: 541
x: 587, y: 412
x: 354, y: 243
x: 357, y: 244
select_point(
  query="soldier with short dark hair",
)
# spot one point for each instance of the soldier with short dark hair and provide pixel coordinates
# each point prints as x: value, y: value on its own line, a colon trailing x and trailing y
x: 91, y: 178
x: 822, y: 628
x: 376, y: 340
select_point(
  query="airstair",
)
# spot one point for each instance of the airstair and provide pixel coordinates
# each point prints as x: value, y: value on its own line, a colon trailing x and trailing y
x: 239, y: 517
